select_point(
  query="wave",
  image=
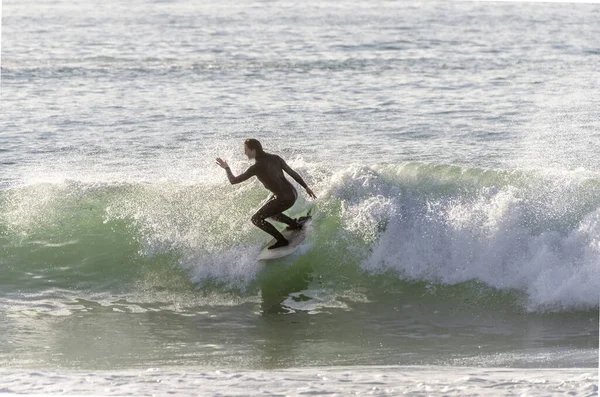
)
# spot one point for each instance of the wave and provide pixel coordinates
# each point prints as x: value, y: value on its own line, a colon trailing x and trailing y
x: 525, y: 239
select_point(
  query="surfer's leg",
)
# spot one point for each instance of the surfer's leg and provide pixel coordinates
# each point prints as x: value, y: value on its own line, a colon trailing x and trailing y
x: 283, y: 218
x: 292, y: 223
x: 273, y: 207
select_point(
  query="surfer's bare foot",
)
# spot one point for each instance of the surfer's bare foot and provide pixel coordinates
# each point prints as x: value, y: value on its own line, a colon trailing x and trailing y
x: 279, y: 244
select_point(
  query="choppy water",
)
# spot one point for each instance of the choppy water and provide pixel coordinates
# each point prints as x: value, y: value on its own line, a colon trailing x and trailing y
x: 453, y: 146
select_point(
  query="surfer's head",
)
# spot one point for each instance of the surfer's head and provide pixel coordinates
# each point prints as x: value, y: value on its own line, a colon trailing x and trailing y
x: 252, y: 147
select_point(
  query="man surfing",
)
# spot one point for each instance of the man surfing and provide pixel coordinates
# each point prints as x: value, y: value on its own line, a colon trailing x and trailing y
x: 269, y: 168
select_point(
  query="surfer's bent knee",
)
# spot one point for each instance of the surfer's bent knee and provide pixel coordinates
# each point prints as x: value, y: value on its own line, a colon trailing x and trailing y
x: 257, y: 219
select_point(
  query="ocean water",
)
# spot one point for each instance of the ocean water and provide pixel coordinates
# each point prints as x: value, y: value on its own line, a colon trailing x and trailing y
x: 453, y: 146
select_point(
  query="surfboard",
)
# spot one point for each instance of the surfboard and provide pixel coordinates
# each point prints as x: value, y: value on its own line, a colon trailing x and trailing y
x: 295, y: 237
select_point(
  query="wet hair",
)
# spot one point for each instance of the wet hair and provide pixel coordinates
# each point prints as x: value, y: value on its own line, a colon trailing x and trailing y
x: 253, y: 144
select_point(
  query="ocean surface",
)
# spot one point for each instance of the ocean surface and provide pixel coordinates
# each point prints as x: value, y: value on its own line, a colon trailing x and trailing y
x: 454, y: 148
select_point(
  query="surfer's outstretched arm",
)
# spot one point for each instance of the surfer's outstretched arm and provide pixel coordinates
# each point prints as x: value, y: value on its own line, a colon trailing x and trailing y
x: 250, y: 172
x: 296, y: 177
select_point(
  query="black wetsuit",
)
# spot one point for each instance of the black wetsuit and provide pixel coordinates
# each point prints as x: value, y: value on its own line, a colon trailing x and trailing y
x: 269, y: 170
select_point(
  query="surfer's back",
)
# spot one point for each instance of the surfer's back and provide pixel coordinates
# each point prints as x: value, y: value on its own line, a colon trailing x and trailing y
x: 269, y: 171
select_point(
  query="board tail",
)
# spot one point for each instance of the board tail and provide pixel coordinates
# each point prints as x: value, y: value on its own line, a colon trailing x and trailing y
x: 303, y: 219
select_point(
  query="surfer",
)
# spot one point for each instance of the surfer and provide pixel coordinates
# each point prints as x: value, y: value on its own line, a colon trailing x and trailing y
x: 269, y: 168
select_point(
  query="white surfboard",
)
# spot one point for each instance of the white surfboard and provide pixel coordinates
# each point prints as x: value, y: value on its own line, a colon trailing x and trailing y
x: 295, y: 237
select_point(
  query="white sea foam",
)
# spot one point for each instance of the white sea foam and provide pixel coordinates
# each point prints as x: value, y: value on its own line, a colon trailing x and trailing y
x: 439, y: 229
x: 359, y: 380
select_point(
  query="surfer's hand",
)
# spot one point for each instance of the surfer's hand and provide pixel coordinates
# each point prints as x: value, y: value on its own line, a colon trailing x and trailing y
x: 222, y: 163
x: 310, y: 193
